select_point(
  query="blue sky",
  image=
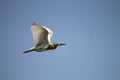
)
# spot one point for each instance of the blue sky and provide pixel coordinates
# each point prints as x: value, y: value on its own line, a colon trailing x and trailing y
x: 90, y: 28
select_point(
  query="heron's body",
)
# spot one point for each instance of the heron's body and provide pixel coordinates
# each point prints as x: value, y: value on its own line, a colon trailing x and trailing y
x: 41, y: 37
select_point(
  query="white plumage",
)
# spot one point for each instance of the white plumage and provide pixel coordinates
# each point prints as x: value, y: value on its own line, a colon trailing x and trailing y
x: 41, y: 35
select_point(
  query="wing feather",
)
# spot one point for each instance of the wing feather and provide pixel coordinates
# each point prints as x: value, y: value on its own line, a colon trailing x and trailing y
x: 41, y: 35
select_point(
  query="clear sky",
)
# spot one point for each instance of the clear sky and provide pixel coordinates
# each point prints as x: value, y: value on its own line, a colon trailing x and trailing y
x: 90, y: 28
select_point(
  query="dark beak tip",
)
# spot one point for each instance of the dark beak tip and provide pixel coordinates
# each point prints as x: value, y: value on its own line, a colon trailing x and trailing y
x: 63, y: 44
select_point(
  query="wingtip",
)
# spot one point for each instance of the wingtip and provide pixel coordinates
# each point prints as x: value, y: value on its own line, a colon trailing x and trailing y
x: 34, y: 23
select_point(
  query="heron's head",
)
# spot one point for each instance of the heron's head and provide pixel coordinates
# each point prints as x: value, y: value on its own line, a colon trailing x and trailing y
x: 59, y: 44
x: 54, y: 45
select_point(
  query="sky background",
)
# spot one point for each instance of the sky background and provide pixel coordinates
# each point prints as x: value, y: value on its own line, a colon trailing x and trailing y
x: 90, y: 28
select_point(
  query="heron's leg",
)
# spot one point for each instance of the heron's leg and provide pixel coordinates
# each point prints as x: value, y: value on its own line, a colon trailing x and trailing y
x: 29, y: 51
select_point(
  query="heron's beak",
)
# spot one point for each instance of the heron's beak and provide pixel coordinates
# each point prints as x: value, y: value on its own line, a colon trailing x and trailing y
x: 61, y: 44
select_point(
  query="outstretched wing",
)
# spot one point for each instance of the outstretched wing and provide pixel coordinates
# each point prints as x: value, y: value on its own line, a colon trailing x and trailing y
x: 41, y: 34
x: 50, y: 33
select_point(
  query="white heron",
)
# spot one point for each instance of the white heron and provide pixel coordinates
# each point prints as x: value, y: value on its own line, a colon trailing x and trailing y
x: 41, y: 37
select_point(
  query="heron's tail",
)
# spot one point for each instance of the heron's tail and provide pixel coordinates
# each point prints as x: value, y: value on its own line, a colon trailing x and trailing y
x: 29, y: 50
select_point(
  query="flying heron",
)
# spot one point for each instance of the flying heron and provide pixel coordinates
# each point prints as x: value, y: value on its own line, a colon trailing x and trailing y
x: 41, y: 37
